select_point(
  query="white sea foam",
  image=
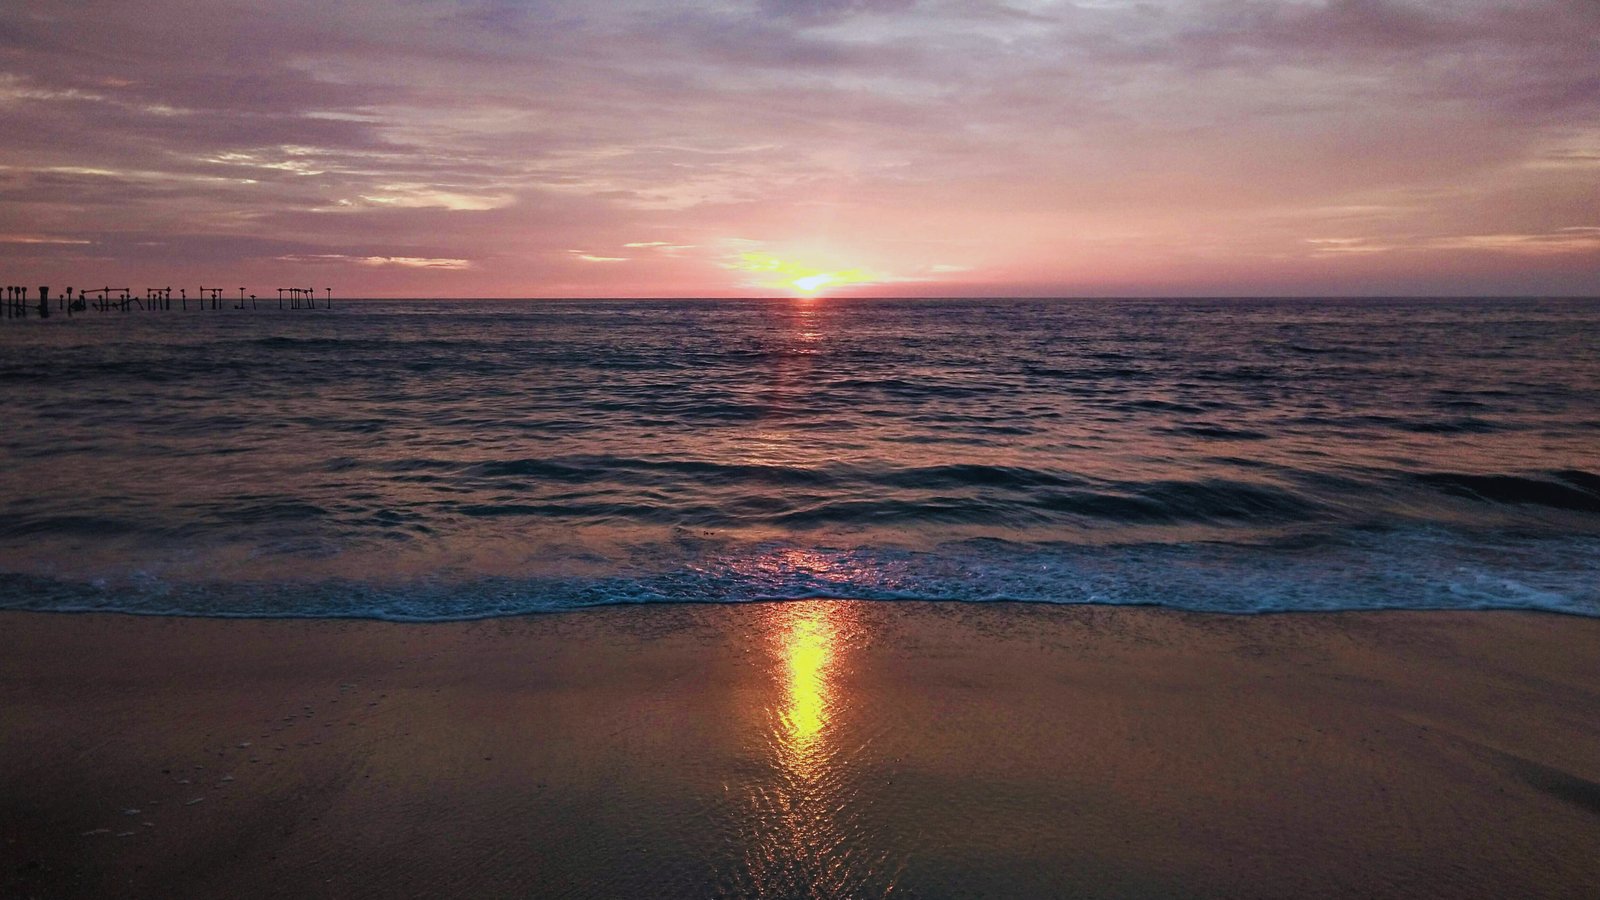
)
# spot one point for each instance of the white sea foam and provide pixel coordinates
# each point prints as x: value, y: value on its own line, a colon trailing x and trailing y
x: 1423, y: 569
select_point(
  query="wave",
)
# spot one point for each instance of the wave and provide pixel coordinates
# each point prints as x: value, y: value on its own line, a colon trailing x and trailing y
x: 1208, y: 500
x: 701, y: 493
x: 1567, y: 489
x: 1466, y: 425
x: 66, y: 525
x: 1421, y: 569
x: 484, y: 436
x: 1218, y: 432
x: 865, y: 495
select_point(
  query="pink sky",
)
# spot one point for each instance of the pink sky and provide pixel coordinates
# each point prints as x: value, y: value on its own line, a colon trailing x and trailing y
x: 882, y: 147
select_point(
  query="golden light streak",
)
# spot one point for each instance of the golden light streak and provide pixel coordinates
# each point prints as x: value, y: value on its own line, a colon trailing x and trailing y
x: 796, y: 826
x: 807, y: 656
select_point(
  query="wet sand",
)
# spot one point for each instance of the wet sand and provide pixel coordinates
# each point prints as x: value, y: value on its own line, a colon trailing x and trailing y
x: 803, y: 749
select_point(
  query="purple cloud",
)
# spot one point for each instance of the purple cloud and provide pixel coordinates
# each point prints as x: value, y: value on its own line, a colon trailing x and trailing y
x: 1195, y: 146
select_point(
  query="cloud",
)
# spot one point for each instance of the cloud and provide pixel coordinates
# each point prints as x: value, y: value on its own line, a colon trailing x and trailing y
x: 1036, y: 142
x: 41, y: 239
x: 414, y: 262
x: 1563, y: 241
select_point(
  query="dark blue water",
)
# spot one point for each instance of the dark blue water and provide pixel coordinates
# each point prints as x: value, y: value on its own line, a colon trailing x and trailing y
x: 446, y: 460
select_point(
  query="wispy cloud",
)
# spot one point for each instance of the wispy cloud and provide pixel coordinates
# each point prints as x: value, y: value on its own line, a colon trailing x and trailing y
x: 42, y: 239
x: 414, y: 262
x: 467, y: 145
x: 1564, y: 241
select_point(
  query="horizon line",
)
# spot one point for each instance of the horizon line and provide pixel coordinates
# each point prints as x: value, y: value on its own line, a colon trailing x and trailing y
x: 886, y: 297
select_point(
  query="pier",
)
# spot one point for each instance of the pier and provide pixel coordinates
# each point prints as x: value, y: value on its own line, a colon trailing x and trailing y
x: 20, y: 302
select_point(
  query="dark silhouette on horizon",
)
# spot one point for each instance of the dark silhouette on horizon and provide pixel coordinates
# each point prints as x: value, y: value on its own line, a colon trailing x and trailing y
x: 16, y: 302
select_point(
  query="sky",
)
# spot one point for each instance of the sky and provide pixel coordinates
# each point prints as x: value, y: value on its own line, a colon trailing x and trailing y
x: 521, y: 148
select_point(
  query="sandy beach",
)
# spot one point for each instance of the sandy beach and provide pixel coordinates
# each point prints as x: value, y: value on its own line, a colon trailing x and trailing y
x: 802, y: 749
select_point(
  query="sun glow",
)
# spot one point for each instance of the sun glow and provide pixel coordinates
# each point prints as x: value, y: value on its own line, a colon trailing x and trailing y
x: 812, y: 283
x: 806, y: 279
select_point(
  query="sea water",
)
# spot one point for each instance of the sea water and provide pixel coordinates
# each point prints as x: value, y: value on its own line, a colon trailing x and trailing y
x: 449, y: 459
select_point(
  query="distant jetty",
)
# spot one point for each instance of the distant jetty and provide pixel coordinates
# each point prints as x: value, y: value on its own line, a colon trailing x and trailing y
x: 19, y: 305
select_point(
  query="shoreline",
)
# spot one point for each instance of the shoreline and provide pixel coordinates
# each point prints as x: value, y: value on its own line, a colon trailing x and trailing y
x: 766, y: 601
x: 804, y: 747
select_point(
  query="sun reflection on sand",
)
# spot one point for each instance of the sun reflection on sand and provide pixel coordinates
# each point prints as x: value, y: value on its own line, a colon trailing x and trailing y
x: 806, y: 839
x: 808, y: 650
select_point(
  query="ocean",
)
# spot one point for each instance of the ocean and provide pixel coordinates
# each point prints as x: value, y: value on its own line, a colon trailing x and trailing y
x: 437, y: 460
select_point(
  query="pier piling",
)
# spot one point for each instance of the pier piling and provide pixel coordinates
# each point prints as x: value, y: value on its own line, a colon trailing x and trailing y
x: 19, y: 302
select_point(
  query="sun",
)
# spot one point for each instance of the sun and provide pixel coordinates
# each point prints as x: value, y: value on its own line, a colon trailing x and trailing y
x: 810, y: 284
x: 803, y: 278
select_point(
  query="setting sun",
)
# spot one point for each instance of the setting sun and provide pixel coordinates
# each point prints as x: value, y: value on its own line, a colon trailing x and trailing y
x: 773, y: 272
x: 813, y: 283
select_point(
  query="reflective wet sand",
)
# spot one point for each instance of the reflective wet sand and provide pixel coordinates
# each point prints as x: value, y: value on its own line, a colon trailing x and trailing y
x: 805, y: 749
x: 807, y: 832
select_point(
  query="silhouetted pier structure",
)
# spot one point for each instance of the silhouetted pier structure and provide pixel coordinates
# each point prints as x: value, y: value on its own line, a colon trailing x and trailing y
x: 106, y: 299
x: 302, y: 298
x: 17, y: 303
